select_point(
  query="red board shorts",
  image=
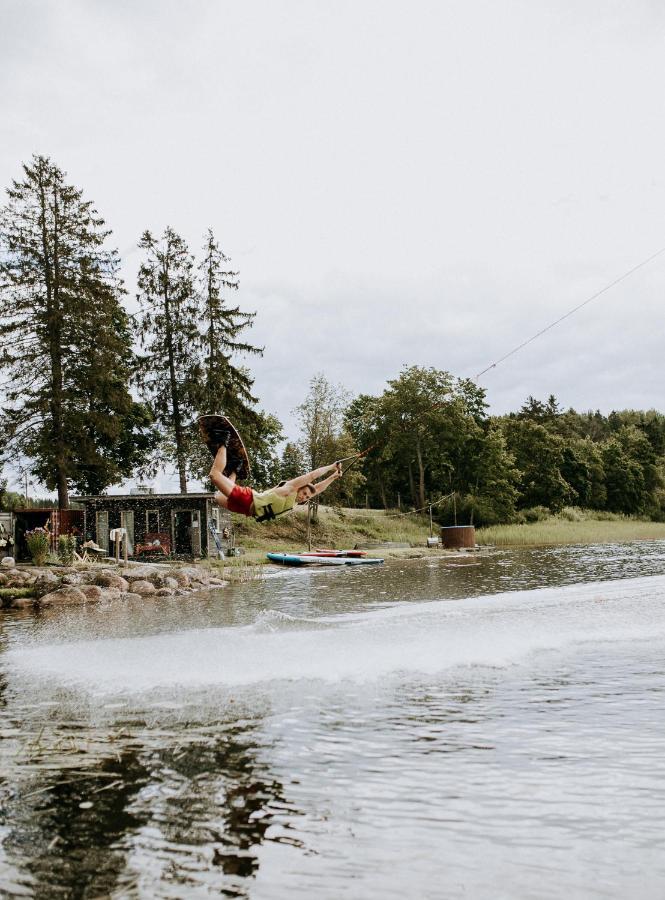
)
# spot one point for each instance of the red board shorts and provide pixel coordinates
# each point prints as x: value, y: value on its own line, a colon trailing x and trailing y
x: 240, y: 500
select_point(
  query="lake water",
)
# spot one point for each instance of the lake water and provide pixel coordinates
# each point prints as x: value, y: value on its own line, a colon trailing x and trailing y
x: 487, y: 728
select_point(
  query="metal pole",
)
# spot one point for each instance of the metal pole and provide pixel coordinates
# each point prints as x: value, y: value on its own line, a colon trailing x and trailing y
x: 309, y: 525
x: 431, y: 531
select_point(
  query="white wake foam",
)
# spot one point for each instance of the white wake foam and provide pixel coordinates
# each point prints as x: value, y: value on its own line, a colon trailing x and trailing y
x: 497, y: 630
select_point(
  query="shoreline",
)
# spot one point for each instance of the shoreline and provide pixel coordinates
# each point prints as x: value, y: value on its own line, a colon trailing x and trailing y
x: 25, y: 585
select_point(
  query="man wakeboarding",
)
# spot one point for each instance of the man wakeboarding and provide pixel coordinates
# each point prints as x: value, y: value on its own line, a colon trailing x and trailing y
x: 266, y: 505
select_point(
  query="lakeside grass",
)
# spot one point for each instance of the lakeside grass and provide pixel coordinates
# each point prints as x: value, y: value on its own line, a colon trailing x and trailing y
x: 337, y: 528
x: 344, y: 528
x: 558, y: 530
x: 340, y: 528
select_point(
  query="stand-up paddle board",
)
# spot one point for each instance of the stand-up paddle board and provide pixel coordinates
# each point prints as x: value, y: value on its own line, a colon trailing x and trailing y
x: 212, y: 429
x: 294, y: 559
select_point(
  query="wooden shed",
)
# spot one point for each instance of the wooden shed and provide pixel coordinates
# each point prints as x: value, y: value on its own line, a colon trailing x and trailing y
x: 159, y: 525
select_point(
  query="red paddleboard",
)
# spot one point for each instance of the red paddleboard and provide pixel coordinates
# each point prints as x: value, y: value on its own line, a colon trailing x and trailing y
x: 335, y: 553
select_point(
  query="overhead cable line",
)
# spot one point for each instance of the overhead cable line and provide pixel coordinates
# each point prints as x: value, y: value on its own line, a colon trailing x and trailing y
x: 571, y: 312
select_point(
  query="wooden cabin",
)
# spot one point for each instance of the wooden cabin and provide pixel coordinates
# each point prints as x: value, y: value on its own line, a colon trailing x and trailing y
x: 159, y: 525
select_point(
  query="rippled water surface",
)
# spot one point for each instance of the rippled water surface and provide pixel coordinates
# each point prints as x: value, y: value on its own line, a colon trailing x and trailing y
x: 490, y: 727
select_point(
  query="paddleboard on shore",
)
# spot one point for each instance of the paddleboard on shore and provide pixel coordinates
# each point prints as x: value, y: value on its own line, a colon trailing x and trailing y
x: 320, y: 551
x: 306, y: 559
x: 295, y: 559
x: 212, y: 428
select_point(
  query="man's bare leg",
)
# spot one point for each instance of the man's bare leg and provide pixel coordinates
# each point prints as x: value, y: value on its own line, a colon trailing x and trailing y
x: 224, y: 483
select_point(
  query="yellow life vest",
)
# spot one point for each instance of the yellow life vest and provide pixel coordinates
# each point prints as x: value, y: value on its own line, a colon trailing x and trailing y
x: 268, y: 505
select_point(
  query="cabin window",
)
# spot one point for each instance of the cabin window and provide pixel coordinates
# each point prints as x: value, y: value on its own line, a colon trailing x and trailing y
x: 151, y: 520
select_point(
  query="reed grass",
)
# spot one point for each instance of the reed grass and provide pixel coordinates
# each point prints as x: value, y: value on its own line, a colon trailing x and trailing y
x: 557, y: 530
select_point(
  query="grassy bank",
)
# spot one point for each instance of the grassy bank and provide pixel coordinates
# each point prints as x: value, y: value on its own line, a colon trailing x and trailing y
x: 339, y: 528
x: 582, y: 530
x: 344, y: 528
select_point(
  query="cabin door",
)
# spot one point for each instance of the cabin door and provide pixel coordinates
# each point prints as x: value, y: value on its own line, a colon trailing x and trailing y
x: 187, y: 532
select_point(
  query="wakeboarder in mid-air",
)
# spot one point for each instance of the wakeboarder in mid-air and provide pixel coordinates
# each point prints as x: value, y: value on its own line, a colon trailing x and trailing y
x: 220, y: 436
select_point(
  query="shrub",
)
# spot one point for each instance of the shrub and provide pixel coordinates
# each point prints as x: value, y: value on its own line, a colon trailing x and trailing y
x: 572, y: 514
x: 536, y: 514
x: 38, y: 541
x: 66, y: 548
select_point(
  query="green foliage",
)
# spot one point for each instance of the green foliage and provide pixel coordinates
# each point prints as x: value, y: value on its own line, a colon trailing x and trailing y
x: 225, y: 386
x: 9, y: 594
x: 190, y: 335
x: 66, y: 548
x: 170, y: 370
x: 65, y: 343
x: 538, y: 454
x: 292, y: 462
x: 430, y: 437
x: 38, y: 541
x: 325, y: 438
x: 613, y: 464
x: 535, y: 514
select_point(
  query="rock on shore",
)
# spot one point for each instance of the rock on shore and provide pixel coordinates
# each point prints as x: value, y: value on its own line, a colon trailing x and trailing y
x: 94, y: 583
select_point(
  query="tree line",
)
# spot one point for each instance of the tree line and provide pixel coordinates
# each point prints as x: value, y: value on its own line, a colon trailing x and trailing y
x: 94, y: 395
x: 433, y: 442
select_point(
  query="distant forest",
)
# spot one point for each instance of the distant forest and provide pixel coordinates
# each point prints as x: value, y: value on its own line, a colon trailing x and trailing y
x: 93, y: 395
x: 511, y: 468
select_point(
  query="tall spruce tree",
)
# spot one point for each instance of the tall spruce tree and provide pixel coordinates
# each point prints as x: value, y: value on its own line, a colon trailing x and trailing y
x: 227, y: 388
x: 170, y: 371
x: 65, y: 343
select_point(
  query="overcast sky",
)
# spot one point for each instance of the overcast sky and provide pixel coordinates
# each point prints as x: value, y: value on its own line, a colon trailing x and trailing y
x: 397, y: 183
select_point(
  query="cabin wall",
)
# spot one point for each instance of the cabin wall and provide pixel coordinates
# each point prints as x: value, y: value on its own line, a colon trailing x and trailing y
x: 183, y: 519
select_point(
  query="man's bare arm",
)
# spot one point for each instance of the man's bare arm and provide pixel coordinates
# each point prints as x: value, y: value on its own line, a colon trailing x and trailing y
x: 322, y: 485
x: 302, y: 480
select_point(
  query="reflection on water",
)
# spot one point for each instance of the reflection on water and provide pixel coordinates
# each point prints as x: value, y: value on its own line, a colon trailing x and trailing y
x: 491, y: 728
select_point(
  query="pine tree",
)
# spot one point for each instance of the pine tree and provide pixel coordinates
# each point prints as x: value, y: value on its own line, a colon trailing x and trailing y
x: 65, y: 341
x: 170, y: 371
x: 227, y: 387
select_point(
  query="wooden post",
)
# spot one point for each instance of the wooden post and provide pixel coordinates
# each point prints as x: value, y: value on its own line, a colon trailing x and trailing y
x: 117, y: 545
x: 399, y: 502
x: 309, y: 524
x: 455, y: 506
x: 125, y: 554
x: 431, y: 530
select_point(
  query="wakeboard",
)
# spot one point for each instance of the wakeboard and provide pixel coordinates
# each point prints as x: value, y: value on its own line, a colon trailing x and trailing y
x: 212, y: 429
